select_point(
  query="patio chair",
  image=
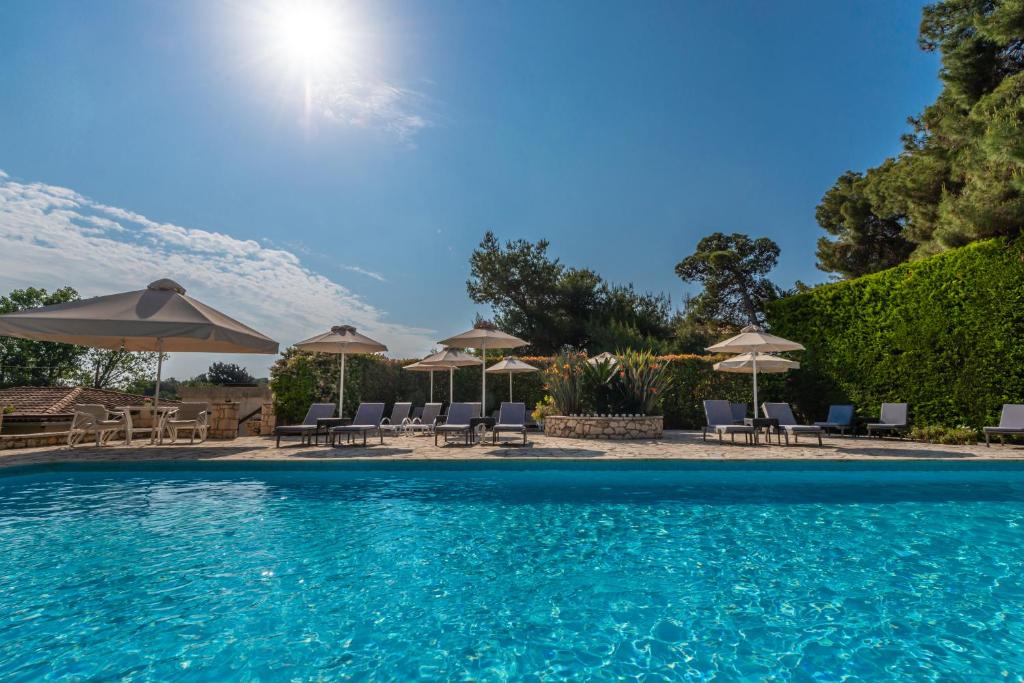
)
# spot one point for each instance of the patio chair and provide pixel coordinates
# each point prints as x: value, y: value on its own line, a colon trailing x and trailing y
x: 399, y: 419
x: 416, y: 413
x: 94, y: 417
x: 426, y: 421
x: 840, y: 417
x: 476, y: 410
x: 1011, y: 421
x: 893, y: 418
x: 511, y: 418
x: 739, y: 412
x: 307, y: 429
x: 368, y: 418
x: 459, y: 415
x: 192, y: 416
x: 720, y: 421
x: 788, y: 426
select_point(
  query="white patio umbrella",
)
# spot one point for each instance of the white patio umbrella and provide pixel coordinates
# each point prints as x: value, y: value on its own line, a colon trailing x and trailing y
x: 511, y: 366
x: 484, y: 337
x: 343, y: 340
x: 160, y: 318
x: 753, y: 340
x: 420, y: 367
x: 451, y: 359
x: 766, y: 362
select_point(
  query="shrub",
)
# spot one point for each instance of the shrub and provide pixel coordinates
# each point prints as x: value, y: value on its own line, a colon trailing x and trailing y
x: 544, y: 408
x: 942, y: 334
x: 565, y: 380
x: 639, y: 381
x: 951, y: 436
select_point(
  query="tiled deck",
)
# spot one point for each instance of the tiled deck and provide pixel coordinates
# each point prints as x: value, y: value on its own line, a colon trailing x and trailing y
x: 682, y: 445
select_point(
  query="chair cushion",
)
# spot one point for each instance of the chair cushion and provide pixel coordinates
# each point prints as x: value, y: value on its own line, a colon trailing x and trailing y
x: 883, y: 425
x: 294, y: 429
x: 452, y: 428
x: 509, y: 428
x: 734, y: 429
x: 1003, y: 430
x: 353, y: 428
x: 801, y: 428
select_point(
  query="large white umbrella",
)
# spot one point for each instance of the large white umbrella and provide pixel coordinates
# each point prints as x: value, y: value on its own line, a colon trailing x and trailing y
x: 484, y: 337
x: 766, y: 362
x: 753, y: 340
x: 451, y: 359
x: 160, y: 318
x: 511, y: 366
x: 342, y: 340
x: 420, y: 367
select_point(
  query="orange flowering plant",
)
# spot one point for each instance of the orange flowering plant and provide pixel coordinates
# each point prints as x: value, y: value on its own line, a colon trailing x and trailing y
x: 641, y: 382
x: 564, y: 380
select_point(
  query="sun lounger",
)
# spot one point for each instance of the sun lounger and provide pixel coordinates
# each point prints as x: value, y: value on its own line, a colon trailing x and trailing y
x: 426, y: 421
x: 94, y: 417
x: 368, y: 418
x: 399, y: 419
x: 511, y: 418
x: 1011, y: 421
x: 194, y: 417
x: 840, y: 417
x: 739, y: 412
x: 457, y: 422
x: 307, y: 429
x: 788, y: 426
x: 720, y: 421
x: 893, y: 418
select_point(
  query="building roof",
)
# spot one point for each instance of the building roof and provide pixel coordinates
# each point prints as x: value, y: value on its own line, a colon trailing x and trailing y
x: 53, y: 401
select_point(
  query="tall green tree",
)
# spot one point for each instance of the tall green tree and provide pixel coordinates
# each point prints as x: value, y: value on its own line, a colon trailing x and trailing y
x: 33, y: 363
x: 960, y: 176
x: 537, y: 298
x: 226, y: 373
x: 733, y: 270
x: 117, y: 369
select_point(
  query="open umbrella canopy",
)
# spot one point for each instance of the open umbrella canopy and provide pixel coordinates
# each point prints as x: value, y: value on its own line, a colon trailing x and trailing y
x: 603, y: 357
x: 450, y: 358
x: 158, y: 318
x: 755, y: 341
x: 511, y: 366
x: 342, y: 340
x: 753, y: 338
x: 484, y: 336
x: 419, y: 366
x: 744, y: 363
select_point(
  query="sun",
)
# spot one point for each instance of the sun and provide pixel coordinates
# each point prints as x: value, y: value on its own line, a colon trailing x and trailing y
x: 308, y: 35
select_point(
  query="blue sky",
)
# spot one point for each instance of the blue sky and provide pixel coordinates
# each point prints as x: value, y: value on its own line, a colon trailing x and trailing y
x: 150, y: 139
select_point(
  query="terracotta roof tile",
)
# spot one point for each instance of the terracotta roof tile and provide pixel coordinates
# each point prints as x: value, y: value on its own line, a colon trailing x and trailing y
x: 61, y: 400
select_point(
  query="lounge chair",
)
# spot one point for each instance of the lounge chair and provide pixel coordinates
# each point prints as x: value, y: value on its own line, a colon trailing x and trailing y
x: 368, y: 418
x: 893, y: 418
x: 459, y: 415
x: 788, y: 425
x: 511, y: 418
x: 720, y: 421
x: 739, y: 412
x: 840, y: 417
x: 399, y: 419
x: 94, y: 417
x: 426, y: 421
x: 307, y: 429
x: 1011, y: 421
x: 191, y: 416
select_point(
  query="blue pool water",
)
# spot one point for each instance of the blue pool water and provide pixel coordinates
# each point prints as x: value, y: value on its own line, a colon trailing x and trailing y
x: 727, y: 572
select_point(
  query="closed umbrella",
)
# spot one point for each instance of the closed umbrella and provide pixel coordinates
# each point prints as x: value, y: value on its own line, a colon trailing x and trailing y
x: 753, y: 340
x: 342, y: 340
x: 483, y: 337
x: 160, y: 318
x: 512, y: 366
x: 451, y: 359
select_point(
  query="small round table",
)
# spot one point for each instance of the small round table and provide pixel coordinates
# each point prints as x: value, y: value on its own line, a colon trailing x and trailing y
x: 766, y: 424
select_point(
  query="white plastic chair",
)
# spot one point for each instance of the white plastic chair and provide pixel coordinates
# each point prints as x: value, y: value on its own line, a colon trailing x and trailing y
x: 94, y: 417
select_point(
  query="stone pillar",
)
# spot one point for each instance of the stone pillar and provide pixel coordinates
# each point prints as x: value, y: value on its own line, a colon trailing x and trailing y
x: 224, y: 420
x: 268, y: 420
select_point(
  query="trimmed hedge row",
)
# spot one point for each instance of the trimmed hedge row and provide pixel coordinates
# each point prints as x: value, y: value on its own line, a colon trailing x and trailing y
x: 299, y: 379
x: 944, y: 334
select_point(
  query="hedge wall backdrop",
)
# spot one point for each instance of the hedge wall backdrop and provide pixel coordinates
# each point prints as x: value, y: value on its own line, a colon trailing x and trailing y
x: 944, y: 334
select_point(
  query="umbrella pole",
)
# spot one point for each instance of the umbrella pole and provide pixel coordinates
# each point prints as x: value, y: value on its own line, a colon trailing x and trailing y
x: 431, y: 386
x: 510, y: 387
x: 341, y: 389
x: 451, y: 385
x: 483, y: 374
x: 159, y: 370
x: 754, y: 356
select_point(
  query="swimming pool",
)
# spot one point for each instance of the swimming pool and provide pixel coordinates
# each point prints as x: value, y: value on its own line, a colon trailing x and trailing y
x: 493, y: 571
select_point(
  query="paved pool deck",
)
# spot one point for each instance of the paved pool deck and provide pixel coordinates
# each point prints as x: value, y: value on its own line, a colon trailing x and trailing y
x: 683, y: 445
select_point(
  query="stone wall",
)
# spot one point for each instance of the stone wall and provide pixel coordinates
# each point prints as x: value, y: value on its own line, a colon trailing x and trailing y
x: 8, y: 441
x: 224, y: 420
x: 649, y: 427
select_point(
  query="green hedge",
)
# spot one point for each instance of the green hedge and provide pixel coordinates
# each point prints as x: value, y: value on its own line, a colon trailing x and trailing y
x: 299, y: 379
x: 944, y: 334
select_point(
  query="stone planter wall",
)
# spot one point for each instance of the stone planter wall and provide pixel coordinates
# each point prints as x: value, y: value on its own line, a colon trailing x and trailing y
x: 649, y: 427
x: 224, y: 420
x: 268, y: 419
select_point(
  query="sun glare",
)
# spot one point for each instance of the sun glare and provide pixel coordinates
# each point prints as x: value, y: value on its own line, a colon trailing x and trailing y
x: 308, y: 35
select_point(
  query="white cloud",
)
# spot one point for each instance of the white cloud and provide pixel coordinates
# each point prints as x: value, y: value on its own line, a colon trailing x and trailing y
x: 52, y: 236
x: 372, y: 104
x: 368, y: 273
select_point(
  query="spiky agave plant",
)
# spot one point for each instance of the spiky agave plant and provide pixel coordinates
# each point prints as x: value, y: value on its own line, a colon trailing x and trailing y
x: 564, y: 380
x: 641, y: 380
